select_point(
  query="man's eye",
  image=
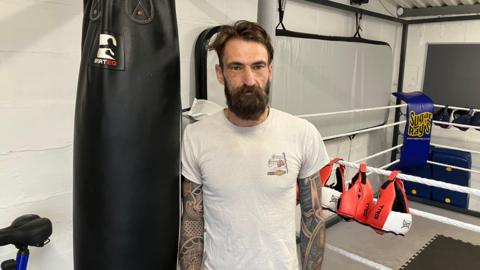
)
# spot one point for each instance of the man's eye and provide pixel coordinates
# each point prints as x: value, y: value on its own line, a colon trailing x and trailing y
x: 236, y: 68
x: 258, y: 67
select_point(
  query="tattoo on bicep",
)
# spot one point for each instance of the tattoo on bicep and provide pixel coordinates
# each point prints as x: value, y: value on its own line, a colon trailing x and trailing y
x: 193, y: 199
x: 191, y: 240
x: 312, y: 234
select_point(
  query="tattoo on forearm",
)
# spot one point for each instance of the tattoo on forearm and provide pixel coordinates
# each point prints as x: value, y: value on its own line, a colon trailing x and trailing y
x: 312, y: 234
x: 192, y: 229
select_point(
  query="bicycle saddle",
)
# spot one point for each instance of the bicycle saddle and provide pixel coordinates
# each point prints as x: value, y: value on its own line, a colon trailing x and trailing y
x: 27, y: 230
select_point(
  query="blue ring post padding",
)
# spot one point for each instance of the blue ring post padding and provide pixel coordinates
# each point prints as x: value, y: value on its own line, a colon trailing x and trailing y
x: 416, y: 136
x: 127, y: 137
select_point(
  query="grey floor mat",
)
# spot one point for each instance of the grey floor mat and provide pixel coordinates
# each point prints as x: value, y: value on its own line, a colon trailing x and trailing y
x: 445, y: 253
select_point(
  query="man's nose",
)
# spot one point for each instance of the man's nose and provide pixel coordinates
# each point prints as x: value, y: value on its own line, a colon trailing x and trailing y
x: 248, y: 77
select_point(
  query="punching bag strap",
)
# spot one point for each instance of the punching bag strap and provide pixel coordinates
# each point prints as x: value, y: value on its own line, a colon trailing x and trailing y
x: 281, y: 12
x: 358, y: 19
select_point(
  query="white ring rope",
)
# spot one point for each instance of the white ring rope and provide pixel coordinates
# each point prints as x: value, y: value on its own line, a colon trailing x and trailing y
x: 455, y: 108
x: 364, y: 130
x: 445, y: 220
x: 351, y: 111
x: 379, y: 153
x: 378, y: 108
x: 357, y: 258
x: 454, y: 124
x: 417, y: 179
x: 452, y: 166
x: 386, y: 165
x: 390, y: 164
x: 441, y: 219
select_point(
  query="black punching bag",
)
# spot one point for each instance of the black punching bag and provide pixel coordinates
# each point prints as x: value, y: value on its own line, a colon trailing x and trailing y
x: 127, y: 137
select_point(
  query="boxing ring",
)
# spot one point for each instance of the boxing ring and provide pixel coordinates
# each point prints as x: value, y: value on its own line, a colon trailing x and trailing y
x: 383, y: 171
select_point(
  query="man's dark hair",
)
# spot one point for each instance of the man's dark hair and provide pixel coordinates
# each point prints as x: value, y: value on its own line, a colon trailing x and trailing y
x: 245, y: 30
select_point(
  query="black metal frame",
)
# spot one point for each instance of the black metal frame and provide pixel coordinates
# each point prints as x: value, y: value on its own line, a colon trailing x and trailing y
x: 356, y: 10
x: 201, y: 52
x: 401, y: 72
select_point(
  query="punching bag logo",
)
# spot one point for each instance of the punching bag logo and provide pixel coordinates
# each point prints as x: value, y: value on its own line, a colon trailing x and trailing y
x: 108, y: 54
x: 107, y: 47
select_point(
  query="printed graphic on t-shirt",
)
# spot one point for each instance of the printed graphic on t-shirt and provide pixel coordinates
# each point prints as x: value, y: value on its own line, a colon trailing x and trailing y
x: 277, y: 165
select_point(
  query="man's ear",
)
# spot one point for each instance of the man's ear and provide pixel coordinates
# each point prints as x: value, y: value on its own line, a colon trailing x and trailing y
x: 219, y: 73
x: 270, y: 72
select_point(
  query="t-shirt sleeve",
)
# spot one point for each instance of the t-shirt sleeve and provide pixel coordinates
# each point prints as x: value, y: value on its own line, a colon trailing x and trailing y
x: 190, y: 167
x: 315, y: 154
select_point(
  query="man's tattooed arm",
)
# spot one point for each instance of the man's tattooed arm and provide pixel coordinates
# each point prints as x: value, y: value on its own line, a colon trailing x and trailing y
x: 312, y: 233
x: 192, y: 228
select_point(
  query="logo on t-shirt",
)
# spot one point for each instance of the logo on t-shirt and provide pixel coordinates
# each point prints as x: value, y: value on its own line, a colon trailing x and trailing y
x: 277, y: 165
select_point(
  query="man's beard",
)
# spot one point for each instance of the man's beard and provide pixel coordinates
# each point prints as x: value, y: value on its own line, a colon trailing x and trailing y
x: 247, y: 106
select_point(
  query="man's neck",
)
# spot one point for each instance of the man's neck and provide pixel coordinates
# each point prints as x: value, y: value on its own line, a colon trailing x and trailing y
x: 237, y: 121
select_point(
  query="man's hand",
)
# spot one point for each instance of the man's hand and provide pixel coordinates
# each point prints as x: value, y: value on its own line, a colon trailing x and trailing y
x: 192, y: 228
x: 312, y: 233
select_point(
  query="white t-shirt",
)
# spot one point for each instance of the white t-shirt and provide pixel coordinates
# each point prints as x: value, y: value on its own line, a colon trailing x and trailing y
x: 249, y: 177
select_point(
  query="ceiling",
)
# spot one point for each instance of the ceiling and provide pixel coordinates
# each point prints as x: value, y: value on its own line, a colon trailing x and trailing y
x: 433, y: 3
x: 412, y: 8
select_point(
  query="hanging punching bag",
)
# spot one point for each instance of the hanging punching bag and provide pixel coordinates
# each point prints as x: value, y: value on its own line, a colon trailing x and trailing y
x: 127, y: 137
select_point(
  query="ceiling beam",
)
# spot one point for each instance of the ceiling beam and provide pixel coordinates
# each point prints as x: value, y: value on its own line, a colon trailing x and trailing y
x: 350, y: 8
x: 444, y: 10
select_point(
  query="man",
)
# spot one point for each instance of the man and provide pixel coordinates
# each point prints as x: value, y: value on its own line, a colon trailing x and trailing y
x: 241, y: 166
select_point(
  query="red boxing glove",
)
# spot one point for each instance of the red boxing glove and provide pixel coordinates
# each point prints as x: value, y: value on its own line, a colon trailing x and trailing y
x: 332, y: 187
x: 391, y: 213
x: 357, y: 201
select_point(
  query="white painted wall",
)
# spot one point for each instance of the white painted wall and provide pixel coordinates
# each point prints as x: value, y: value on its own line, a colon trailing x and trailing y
x: 39, y: 58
